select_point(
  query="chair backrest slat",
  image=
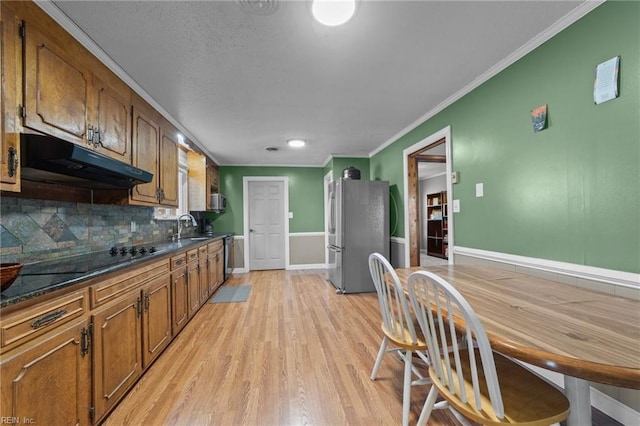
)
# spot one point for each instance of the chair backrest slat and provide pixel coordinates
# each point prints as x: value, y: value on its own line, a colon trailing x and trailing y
x: 393, y: 302
x: 440, y: 308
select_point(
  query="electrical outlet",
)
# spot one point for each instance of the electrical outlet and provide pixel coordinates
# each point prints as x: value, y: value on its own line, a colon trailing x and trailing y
x: 456, y: 206
x: 134, y: 227
x: 479, y: 190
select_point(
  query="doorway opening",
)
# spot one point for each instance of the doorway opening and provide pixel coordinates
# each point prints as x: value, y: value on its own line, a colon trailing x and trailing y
x: 428, y: 223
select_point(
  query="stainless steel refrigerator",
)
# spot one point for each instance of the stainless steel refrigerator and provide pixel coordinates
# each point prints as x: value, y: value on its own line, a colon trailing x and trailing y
x: 358, y: 226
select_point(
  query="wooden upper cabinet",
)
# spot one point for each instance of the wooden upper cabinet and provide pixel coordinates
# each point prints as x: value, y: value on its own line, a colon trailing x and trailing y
x: 145, y: 153
x: 55, y: 88
x: 154, y: 148
x: 112, y: 129
x: 69, y: 94
x: 9, y: 135
x: 168, y: 165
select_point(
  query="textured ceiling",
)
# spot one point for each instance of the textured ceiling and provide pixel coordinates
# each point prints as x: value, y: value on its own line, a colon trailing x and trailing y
x: 237, y: 82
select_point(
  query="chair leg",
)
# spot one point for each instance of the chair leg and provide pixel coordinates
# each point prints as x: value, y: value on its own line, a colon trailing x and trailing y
x: 428, y: 406
x: 381, y: 352
x: 406, y: 394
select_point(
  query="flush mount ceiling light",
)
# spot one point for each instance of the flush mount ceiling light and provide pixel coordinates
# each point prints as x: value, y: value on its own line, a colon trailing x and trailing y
x: 333, y: 12
x: 296, y: 143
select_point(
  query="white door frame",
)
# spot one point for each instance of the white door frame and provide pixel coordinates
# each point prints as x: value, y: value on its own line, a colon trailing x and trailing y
x: 446, y: 134
x: 245, y: 215
x: 328, y: 178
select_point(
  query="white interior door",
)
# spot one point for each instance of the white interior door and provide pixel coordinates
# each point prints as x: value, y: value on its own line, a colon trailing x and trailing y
x: 266, y: 225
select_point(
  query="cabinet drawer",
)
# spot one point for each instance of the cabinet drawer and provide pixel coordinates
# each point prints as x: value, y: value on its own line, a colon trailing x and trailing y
x: 202, y: 251
x: 126, y: 280
x: 36, y: 320
x: 192, y: 255
x: 216, y: 245
x: 178, y: 261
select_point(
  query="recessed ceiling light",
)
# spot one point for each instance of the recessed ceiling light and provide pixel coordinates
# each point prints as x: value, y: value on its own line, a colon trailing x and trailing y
x: 296, y: 143
x: 333, y: 12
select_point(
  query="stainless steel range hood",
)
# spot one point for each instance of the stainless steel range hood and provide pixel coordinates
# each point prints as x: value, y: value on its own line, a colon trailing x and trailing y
x: 53, y: 160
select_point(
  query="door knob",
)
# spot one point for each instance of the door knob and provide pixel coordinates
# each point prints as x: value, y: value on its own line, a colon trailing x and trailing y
x: 251, y: 230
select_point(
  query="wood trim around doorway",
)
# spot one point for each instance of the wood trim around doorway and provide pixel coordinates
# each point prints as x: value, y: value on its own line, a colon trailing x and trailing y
x: 412, y: 155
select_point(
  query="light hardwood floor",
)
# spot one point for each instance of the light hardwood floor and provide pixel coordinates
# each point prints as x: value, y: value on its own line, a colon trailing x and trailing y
x: 294, y: 353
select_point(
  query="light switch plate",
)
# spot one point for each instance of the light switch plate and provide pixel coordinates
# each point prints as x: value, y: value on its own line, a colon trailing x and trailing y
x: 290, y: 215
x: 456, y: 206
x: 479, y: 190
x: 454, y: 177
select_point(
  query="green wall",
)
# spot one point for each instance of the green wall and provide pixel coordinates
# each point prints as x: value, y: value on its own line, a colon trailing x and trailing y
x: 570, y: 193
x: 306, y: 196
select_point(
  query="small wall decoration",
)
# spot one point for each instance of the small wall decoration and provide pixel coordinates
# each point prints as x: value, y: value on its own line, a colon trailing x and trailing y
x: 605, y: 86
x: 539, y: 118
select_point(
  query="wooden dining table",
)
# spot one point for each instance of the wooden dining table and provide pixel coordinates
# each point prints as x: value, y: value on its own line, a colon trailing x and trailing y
x: 583, y: 334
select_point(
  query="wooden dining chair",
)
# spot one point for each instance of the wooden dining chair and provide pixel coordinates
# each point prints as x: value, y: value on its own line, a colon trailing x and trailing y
x: 481, y: 385
x: 397, y: 327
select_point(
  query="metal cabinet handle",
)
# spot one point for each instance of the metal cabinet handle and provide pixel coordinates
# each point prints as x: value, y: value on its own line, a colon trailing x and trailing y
x: 96, y: 138
x: 48, y: 319
x: 13, y: 162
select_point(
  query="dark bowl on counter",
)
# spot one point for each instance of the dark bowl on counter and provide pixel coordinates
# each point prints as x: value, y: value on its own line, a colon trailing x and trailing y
x: 9, y: 273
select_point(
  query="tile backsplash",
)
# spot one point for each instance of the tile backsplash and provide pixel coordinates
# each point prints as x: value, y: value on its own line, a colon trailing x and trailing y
x: 33, y: 230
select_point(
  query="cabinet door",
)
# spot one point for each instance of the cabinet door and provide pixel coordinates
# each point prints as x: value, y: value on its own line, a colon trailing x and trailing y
x: 112, y: 120
x: 193, y: 281
x: 55, y: 88
x: 9, y: 138
x: 220, y: 266
x: 49, y: 382
x: 144, y: 145
x: 212, y: 273
x: 169, y: 168
x: 156, y: 324
x: 180, y: 299
x: 204, y: 280
x: 117, y: 356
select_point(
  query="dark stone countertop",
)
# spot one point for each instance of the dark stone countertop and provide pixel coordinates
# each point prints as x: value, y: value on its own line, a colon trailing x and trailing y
x: 39, y: 278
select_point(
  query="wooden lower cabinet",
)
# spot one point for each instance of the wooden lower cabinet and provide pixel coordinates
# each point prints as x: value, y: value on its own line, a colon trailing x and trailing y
x: 156, y: 323
x: 204, y: 279
x: 128, y: 336
x: 180, y: 299
x: 117, y: 353
x: 216, y: 266
x: 47, y: 381
x: 79, y: 363
x: 193, y: 282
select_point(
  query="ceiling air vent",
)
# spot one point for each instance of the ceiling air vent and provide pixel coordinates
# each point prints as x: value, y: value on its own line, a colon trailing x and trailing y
x: 258, y: 7
x: 271, y: 148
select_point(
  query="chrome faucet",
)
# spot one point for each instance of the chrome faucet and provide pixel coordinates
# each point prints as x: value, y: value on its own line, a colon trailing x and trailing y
x: 193, y: 222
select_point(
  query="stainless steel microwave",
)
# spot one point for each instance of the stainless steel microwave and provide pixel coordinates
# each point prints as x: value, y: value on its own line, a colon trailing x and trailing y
x: 218, y: 202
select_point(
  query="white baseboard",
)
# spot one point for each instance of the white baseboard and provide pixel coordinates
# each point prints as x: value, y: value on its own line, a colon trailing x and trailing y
x: 239, y: 271
x: 307, y: 266
x: 608, y: 276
